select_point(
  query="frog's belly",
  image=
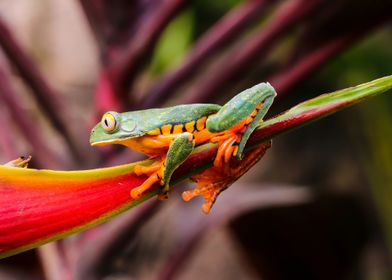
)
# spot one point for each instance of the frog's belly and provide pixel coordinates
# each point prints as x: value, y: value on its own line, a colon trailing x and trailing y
x: 158, y: 145
x: 148, y: 145
x: 203, y: 136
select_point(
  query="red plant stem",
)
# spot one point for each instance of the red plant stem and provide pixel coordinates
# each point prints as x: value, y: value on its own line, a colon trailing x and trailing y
x: 114, y: 22
x: 217, y: 38
x: 26, y: 123
x: 46, y: 98
x: 124, y: 63
x: 131, y: 57
x: 284, y: 19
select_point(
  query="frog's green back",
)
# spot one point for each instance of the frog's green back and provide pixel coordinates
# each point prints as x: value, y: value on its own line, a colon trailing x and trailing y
x: 181, y: 114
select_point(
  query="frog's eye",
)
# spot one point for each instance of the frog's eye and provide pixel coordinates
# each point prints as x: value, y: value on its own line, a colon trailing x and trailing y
x: 109, y: 122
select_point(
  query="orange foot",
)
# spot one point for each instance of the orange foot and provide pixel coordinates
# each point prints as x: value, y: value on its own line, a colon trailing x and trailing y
x: 154, y: 172
x: 211, y: 182
x: 228, y: 146
x: 229, y: 141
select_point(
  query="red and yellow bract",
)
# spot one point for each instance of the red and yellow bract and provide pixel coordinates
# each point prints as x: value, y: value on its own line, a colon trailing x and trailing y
x: 37, y: 206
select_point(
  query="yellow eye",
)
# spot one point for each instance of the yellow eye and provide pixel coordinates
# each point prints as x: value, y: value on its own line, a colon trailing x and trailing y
x: 109, y: 122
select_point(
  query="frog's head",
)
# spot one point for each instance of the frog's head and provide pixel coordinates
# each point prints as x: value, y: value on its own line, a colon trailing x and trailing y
x: 114, y: 128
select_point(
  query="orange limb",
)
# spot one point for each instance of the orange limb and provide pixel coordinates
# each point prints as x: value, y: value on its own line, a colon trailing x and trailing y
x: 226, y: 149
x: 220, y: 138
x: 158, y: 145
x: 137, y: 192
x: 228, y: 141
x: 229, y: 151
x: 205, y: 189
x: 147, y: 170
x: 221, y: 150
x: 211, y: 182
x: 154, y: 172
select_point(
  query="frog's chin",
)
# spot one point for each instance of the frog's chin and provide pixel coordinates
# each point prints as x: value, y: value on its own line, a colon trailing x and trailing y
x: 103, y: 143
x: 122, y: 141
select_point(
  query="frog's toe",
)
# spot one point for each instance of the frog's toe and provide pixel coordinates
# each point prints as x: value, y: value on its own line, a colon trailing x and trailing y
x: 208, y: 190
x: 226, y: 150
x: 189, y: 194
x: 209, y: 202
x: 147, y: 170
x: 229, y: 152
x: 138, y: 170
x: 163, y: 196
x: 137, y: 192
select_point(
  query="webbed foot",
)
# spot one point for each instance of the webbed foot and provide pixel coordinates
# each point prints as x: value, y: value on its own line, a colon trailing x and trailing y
x: 211, y: 182
x: 154, y: 173
x: 228, y: 147
x: 229, y: 142
x: 180, y: 147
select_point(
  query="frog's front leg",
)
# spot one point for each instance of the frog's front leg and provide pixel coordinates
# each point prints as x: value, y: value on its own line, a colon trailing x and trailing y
x: 237, y: 119
x: 180, y: 147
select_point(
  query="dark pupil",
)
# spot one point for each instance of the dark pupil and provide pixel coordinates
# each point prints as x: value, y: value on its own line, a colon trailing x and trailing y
x: 106, y: 122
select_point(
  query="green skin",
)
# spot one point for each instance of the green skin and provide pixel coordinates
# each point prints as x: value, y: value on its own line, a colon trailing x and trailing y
x: 219, y: 118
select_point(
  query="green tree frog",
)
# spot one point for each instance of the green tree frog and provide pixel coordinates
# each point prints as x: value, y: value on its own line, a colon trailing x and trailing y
x: 170, y: 135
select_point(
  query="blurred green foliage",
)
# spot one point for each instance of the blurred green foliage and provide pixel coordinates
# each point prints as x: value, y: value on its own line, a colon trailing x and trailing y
x: 183, y: 31
x: 173, y: 43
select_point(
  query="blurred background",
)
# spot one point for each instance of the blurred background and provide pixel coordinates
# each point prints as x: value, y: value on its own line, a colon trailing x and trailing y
x: 317, y: 206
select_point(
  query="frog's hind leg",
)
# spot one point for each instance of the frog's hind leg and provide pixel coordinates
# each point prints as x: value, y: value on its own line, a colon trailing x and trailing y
x: 238, y: 118
x: 180, y: 147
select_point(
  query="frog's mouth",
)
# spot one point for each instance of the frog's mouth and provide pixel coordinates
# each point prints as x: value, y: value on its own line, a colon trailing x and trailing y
x: 97, y: 138
x: 102, y: 143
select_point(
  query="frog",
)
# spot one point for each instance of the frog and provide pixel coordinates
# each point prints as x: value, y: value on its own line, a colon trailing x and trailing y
x: 20, y: 162
x: 170, y: 134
